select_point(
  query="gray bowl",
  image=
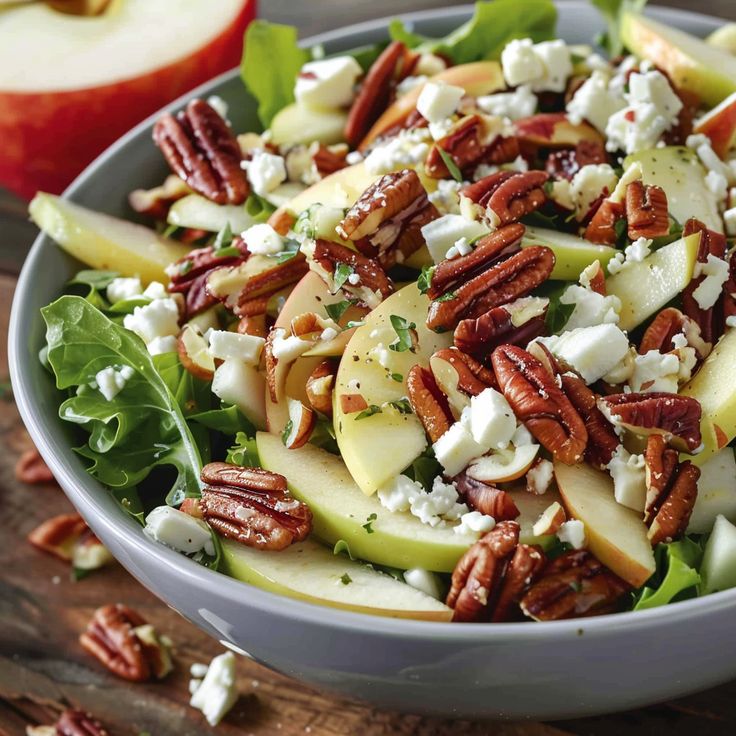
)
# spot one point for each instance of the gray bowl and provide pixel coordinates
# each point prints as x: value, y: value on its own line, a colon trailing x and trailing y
x: 552, y: 670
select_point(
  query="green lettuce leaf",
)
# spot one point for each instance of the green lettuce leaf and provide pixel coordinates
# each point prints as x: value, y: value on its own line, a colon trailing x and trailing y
x: 271, y: 61
x: 492, y: 26
x: 612, y: 10
x: 141, y: 428
x: 676, y: 575
x: 244, y: 452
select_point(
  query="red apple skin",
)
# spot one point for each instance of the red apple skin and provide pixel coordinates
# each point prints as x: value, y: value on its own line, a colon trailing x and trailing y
x: 49, y: 137
x: 720, y: 126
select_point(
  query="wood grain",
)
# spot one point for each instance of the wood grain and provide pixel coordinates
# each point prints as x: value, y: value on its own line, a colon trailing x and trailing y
x: 43, y: 669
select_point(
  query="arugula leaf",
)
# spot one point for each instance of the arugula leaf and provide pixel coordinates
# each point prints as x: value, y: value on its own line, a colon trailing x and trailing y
x: 404, y: 331
x: 141, y: 428
x: 448, y: 297
x: 244, y: 452
x: 612, y: 11
x: 484, y: 36
x: 291, y: 249
x: 336, y: 311
x: 425, y: 279
x: 676, y: 575
x: 271, y: 62
x: 228, y: 419
x: 223, y: 239
x: 341, y: 275
x: 558, y: 313
x: 98, y: 280
x: 424, y: 469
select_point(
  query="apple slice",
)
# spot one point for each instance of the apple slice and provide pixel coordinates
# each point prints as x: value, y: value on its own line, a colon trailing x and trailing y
x: 296, y: 123
x: 310, y: 572
x: 719, y: 124
x: 690, y: 62
x: 716, y: 492
x: 88, y: 80
x: 105, y: 242
x: 718, y: 570
x: 504, y: 465
x: 194, y: 353
x: 724, y: 38
x: 369, y: 367
x: 554, y: 130
x: 200, y: 213
x: 617, y: 536
x: 341, y: 510
x: 531, y: 506
x: 679, y: 172
x: 645, y: 287
x: 714, y: 386
x: 572, y: 254
x: 477, y: 78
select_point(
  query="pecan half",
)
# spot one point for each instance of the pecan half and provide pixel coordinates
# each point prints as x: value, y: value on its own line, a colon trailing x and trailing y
x: 78, y: 723
x: 488, y: 250
x: 564, y: 164
x: 428, y: 402
x: 674, y: 416
x: 253, y: 324
x: 266, y: 283
x: 485, y: 498
x: 386, y: 220
x: 517, y: 196
x: 602, y: 227
x: 574, y: 585
x: 58, y: 535
x: 602, y: 439
x: 253, y: 507
x: 540, y: 403
x: 374, y: 94
x: 504, y: 282
x: 320, y: 386
x: 523, y: 568
x: 473, y: 377
x: 202, y: 150
x: 31, y: 468
x: 669, y: 323
x: 111, y: 637
x: 156, y: 202
x: 646, y: 211
x: 709, y: 320
x: 672, y: 489
x: 328, y: 160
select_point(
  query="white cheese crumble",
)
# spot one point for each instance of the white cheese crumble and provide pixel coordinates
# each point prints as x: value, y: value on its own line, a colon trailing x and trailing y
x: 634, y: 253
x: 225, y: 345
x: 217, y: 693
x: 407, y: 84
x: 539, y: 477
x: 424, y: 580
x: 521, y: 103
x: 263, y: 240
x: 573, y: 533
x: 179, y: 531
x: 327, y: 83
x: 595, y: 101
x: 628, y: 473
x: 544, y: 66
x: 408, y: 149
x: 432, y: 508
x: 446, y: 198
x: 474, y: 522
x: 439, y: 100
x: 219, y: 106
x: 590, y: 307
x: 266, y: 171
x: 461, y: 248
x: 490, y: 419
x: 729, y: 220
x: 655, y: 371
x: 110, y: 381
x: 588, y: 185
x: 716, y: 272
x: 161, y: 345
x: 160, y: 318
x: 121, y: 289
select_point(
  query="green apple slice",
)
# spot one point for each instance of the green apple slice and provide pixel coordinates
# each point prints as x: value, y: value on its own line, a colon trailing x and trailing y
x: 379, y: 447
x: 718, y: 570
x: 714, y: 386
x: 105, y: 242
x: 310, y: 572
x: 341, y: 511
x: 679, y: 172
x: 716, y: 492
x: 572, y: 254
x: 616, y: 535
x: 200, y: 213
x: 297, y: 123
x: 646, y: 286
x: 724, y: 38
x: 691, y: 63
x: 531, y: 506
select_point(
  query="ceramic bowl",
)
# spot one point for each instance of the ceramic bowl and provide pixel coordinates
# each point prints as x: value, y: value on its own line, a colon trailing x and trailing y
x: 518, y: 670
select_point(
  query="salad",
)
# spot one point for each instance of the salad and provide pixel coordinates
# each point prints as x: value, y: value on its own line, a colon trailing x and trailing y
x: 451, y: 338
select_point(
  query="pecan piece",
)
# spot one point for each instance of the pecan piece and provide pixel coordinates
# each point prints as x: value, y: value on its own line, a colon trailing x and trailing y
x: 112, y: 637
x: 78, y: 723
x: 517, y: 196
x: 574, y: 585
x: 672, y: 489
x: 31, y: 468
x: 202, y: 150
x: 328, y: 160
x: 459, y: 377
x: 486, y: 498
x: 674, y: 416
x: 156, y: 202
x: 646, y: 211
x: 602, y: 439
x: 428, y: 402
x: 502, y: 283
x: 253, y: 507
x: 385, y: 223
x: 320, y: 386
x: 540, y: 403
x: 526, y: 564
x: 58, y: 535
x: 666, y: 326
x: 375, y: 93
x: 253, y: 324
x: 564, y: 164
x: 602, y: 227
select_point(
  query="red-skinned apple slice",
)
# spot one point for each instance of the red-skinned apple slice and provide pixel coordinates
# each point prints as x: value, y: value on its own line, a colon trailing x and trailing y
x: 194, y: 354
x: 90, y: 79
x: 554, y: 130
x: 302, y: 420
x: 719, y: 124
x: 503, y: 466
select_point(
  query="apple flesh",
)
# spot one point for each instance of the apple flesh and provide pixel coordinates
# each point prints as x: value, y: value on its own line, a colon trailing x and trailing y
x: 719, y: 124
x: 379, y: 447
x: 616, y: 535
x: 718, y: 569
x: 297, y: 123
x: 310, y: 572
x: 724, y: 38
x: 531, y: 506
x: 714, y: 386
x: 199, y: 213
x: 89, y: 80
x: 503, y: 466
x: 716, y: 492
x: 340, y: 510
x: 554, y: 130
x: 105, y: 242
x: 690, y: 62
x: 477, y: 78
x: 645, y: 287
x: 679, y: 172
x: 572, y: 254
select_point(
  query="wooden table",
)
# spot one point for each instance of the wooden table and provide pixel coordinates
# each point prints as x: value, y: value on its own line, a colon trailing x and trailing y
x: 43, y: 669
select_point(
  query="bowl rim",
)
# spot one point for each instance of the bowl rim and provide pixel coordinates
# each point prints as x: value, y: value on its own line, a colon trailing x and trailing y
x: 75, y: 481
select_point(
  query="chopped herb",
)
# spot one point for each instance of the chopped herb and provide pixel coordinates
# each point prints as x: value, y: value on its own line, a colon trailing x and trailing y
x: 346, y: 579
x: 369, y: 412
x: 336, y: 311
x: 224, y: 238
x: 341, y: 275
x: 291, y: 248
x: 405, y: 333
x: 342, y: 546
x: 185, y: 267
x: 368, y: 526
x: 287, y: 431
x: 451, y: 165
x: 402, y: 406
x: 425, y: 279
x: 354, y: 323
x: 230, y: 252
x: 446, y: 297
x: 398, y: 377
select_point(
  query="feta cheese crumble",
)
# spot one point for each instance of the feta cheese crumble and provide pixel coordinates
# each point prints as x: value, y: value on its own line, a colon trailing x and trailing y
x: 110, y: 381
x: 433, y: 508
x: 159, y: 319
x: 475, y: 523
x: 629, y: 483
x: 544, y: 66
x: 217, y: 692
x: 539, y: 477
x: 634, y: 253
x: 225, y: 345
x: 573, y: 533
x: 408, y: 149
x: 263, y: 240
x: 521, y: 103
x: 327, y: 83
x: 590, y: 307
x: 595, y: 101
x: 121, y: 289
x: 716, y: 273
x: 438, y: 101
x: 179, y: 531
x: 655, y: 371
x: 266, y: 171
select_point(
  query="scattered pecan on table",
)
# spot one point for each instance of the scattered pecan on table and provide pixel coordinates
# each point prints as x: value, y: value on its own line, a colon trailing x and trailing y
x: 32, y: 469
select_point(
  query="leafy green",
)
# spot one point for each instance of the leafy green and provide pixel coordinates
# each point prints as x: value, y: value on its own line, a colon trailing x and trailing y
x: 223, y: 239
x: 492, y: 26
x: 612, y: 11
x: 228, y: 419
x: 98, y: 280
x: 244, y: 452
x: 141, y: 428
x: 342, y: 273
x: 271, y: 62
x: 258, y: 208
x: 405, y: 332
x: 676, y: 576
x: 558, y: 313
x: 425, y: 279
x: 452, y: 167
x: 291, y: 248
x: 424, y: 469
x: 336, y: 311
